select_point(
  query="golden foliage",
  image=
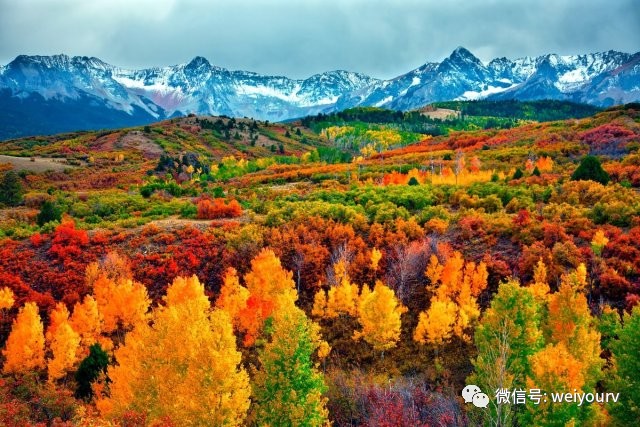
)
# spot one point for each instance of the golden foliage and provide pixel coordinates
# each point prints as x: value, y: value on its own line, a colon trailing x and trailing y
x: 233, y: 296
x: 58, y: 316
x: 24, y: 349
x: 7, y: 298
x: 184, y: 366
x: 455, y: 286
x: 342, y: 299
x: 599, y: 241
x: 540, y: 287
x: 64, y: 347
x: 86, y: 321
x: 319, y: 304
x: 122, y: 304
x: 267, y: 277
x: 376, y: 255
x: 555, y: 368
x: 577, y: 279
x: 379, y: 315
x: 435, y: 326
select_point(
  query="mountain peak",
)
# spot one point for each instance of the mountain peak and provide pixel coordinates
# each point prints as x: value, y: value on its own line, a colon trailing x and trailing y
x: 197, y: 62
x: 461, y: 52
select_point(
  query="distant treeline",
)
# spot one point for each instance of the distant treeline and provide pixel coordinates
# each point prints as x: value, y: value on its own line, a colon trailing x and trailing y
x: 410, y: 121
x: 474, y: 115
x: 541, y: 111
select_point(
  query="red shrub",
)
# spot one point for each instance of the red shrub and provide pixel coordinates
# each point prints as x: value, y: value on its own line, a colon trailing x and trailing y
x: 216, y: 208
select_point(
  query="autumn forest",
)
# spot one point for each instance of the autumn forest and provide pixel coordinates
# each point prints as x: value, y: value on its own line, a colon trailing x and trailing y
x: 351, y: 269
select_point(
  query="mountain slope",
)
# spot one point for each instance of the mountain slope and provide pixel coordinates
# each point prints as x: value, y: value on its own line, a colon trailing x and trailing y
x: 48, y: 94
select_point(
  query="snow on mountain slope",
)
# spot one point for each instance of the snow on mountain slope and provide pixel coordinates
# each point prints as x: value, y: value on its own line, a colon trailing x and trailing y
x: 31, y: 84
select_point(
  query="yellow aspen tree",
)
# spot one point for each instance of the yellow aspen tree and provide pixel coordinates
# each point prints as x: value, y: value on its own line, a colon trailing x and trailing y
x: 598, y: 242
x: 478, y: 276
x: 434, y: 270
x: 342, y: 299
x: 58, y: 316
x: 340, y: 271
x: 64, y: 348
x: 569, y: 321
x: 455, y: 286
x: 577, y: 279
x: 365, y: 291
x: 540, y: 287
x: 379, y: 316
x: 86, y: 321
x: 554, y: 368
x: 267, y: 278
x: 122, y: 304
x: 435, y: 326
x: 468, y: 313
x: 7, y: 298
x: 571, y: 360
x: 323, y: 350
x: 319, y: 304
x: 24, y: 349
x: 182, y: 366
x: 266, y: 282
x: 376, y: 255
x: 233, y: 296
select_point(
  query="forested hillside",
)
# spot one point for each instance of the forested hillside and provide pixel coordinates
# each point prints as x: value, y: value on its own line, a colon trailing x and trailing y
x: 358, y: 268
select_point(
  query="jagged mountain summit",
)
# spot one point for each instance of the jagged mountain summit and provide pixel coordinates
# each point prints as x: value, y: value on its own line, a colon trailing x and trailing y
x: 50, y: 94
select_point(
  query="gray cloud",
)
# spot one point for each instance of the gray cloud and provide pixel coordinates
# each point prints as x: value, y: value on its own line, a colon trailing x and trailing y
x: 298, y: 38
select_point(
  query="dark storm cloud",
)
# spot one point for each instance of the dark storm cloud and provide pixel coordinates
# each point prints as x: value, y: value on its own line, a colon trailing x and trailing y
x: 302, y: 37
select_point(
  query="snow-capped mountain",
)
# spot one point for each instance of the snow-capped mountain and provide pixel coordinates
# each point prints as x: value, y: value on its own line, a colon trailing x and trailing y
x: 602, y: 79
x: 49, y: 94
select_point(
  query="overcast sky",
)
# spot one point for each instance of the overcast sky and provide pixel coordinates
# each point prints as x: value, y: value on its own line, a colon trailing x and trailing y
x: 299, y: 38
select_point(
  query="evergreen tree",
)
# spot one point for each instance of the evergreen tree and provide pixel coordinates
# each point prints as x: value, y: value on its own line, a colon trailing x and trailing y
x: 518, y: 174
x: 89, y: 371
x: 48, y: 212
x: 11, y: 189
x: 590, y: 169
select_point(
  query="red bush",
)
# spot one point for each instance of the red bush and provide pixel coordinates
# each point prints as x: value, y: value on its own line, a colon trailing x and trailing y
x: 216, y: 208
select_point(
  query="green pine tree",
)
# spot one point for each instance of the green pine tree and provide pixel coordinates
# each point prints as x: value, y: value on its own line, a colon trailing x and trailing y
x: 518, y: 174
x: 89, y: 371
x: 590, y: 169
x: 11, y: 191
x: 48, y: 212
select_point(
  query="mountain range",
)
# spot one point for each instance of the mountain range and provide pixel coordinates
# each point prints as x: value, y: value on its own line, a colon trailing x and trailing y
x: 51, y: 94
